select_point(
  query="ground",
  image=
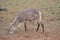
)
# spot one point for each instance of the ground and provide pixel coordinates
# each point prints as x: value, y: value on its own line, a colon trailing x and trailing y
x: 50, y: 10
x: 30, y: 36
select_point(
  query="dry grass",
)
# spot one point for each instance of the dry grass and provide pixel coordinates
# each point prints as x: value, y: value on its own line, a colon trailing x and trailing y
x: 51, y: 18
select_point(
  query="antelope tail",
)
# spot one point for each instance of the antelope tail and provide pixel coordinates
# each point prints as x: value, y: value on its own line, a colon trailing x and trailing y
x: 40, y: 16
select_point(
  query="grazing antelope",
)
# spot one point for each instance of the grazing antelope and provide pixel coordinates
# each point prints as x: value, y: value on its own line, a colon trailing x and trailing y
x: 27, y: 15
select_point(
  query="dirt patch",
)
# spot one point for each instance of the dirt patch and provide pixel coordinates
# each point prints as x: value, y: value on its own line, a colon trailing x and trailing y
x: 30, y: 36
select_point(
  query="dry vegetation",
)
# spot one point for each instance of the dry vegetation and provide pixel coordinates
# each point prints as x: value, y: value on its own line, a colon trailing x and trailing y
x: 51, y: 18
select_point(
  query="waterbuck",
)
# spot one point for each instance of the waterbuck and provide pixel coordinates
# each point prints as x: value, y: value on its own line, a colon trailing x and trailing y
x: 27, y: 15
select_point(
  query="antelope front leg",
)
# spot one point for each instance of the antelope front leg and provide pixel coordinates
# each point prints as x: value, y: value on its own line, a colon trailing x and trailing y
x: 25, y: 26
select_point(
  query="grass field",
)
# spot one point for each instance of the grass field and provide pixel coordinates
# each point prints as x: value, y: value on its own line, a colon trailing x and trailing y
x: 50, y: 14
